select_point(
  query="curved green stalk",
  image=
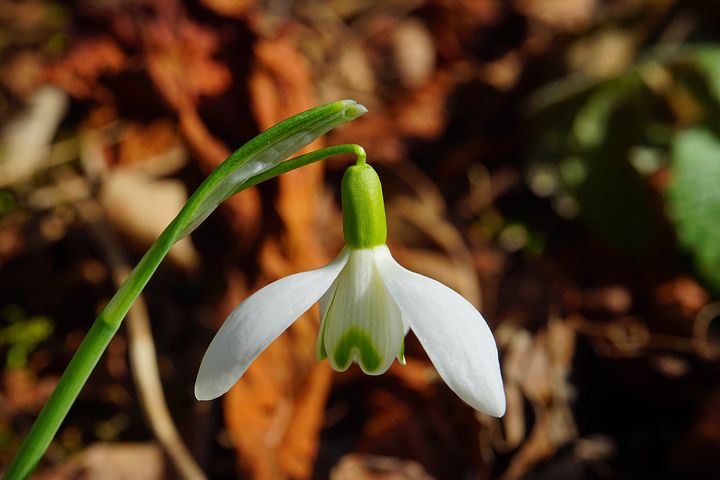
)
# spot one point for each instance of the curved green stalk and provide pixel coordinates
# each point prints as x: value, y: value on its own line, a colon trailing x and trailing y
x: 258, y: 160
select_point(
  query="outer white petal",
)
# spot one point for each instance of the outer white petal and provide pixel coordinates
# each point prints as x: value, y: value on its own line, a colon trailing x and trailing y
x: 361, y: 321
x: 454, y: 334
x: 256, y: 322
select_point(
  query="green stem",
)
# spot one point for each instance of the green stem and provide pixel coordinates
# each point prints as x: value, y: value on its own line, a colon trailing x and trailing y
x: 305, y: 159
x: 110, y: 319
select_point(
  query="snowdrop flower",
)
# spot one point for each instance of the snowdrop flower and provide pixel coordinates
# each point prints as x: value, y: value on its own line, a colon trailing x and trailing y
x: 368, y: 302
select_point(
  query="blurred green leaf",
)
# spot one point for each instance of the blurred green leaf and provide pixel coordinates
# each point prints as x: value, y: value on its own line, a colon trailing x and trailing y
x: 694, y: 199
x: 708, y: 61
x: 23, y: 335
x: 615, y: 202
x: 7, y: 202
x: 591, y: 122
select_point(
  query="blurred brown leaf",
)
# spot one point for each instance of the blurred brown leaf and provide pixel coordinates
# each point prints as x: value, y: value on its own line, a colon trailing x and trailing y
x: 25, y: 140
x: 230, y: 8
x: 537, y: 367
x: 109, y: 461
x: 276, y: 411
x: 154, y: 148
x: 179, y: 60
x: 562, y: 15
x: 22, y: 392
x: 682, y: 293
x: 81, y: 68
x: 22, y: 73
x: 281, y: 86
x: 126, y: 195
x: 372, y: 467
x: 414, y: 52
x: 423, y: 115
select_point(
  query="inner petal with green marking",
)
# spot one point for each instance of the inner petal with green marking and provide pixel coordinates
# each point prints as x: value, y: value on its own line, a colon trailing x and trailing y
x: 360, y: 321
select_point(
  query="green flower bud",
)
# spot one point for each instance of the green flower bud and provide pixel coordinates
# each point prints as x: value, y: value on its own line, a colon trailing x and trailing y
x: 364, y: 223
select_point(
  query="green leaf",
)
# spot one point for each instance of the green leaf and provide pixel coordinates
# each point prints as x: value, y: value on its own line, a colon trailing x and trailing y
x: 616, y: 203
x: 694, y: 199
x: 707, y: 59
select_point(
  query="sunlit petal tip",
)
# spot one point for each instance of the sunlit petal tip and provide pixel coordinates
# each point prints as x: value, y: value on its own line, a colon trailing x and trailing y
x: 401, y: 354
x: 205, y: 390
x: 496, y: 404
x: 256, y: 322
x: 453, y: 333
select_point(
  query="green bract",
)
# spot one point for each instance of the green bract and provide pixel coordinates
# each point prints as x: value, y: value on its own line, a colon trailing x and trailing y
x: 364, y: 223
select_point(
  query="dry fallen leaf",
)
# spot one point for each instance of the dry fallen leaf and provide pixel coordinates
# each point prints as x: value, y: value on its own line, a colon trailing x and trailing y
x: 230, y: 8
x: 140, y: 207
x: 538, y: 367
x: 154, y: 148
x: 25, y: 140
x: 372, y: 467
x: 275, y: 412
x: 112, y: 461
x: 424, y: 114
x: 179, y: 60
x: 562, y: 15
x: 80, y: 70
x: 22, y: 73
x: 414, y: 52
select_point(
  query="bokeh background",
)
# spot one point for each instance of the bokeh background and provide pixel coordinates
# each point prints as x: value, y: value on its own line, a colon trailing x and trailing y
x: 555, y: 161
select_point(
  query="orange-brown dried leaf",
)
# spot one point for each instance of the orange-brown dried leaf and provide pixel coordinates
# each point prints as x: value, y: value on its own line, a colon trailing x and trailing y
x: 179, y: 60
x: 281, y: 86
x: 429, y: 426
x: 373, y: 467
x: 23, y: 392
x: 684, y: 294
x: 150, y: 145
x: 275, y: 412
x: 230, y: 8
x: 80, y: 70
x: 423, y: 115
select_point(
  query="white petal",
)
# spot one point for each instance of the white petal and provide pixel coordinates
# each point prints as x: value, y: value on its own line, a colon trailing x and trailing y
x: 256, y: 322
x: 454, y: 334
x: 325, y: 302
x: 361, y: 321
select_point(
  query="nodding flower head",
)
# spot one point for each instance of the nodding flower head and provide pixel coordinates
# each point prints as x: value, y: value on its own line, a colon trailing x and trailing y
x: 368, y: 302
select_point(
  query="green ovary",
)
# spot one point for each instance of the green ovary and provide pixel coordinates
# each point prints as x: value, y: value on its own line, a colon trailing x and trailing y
x: 356, y: 342
x: 364, y: 224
